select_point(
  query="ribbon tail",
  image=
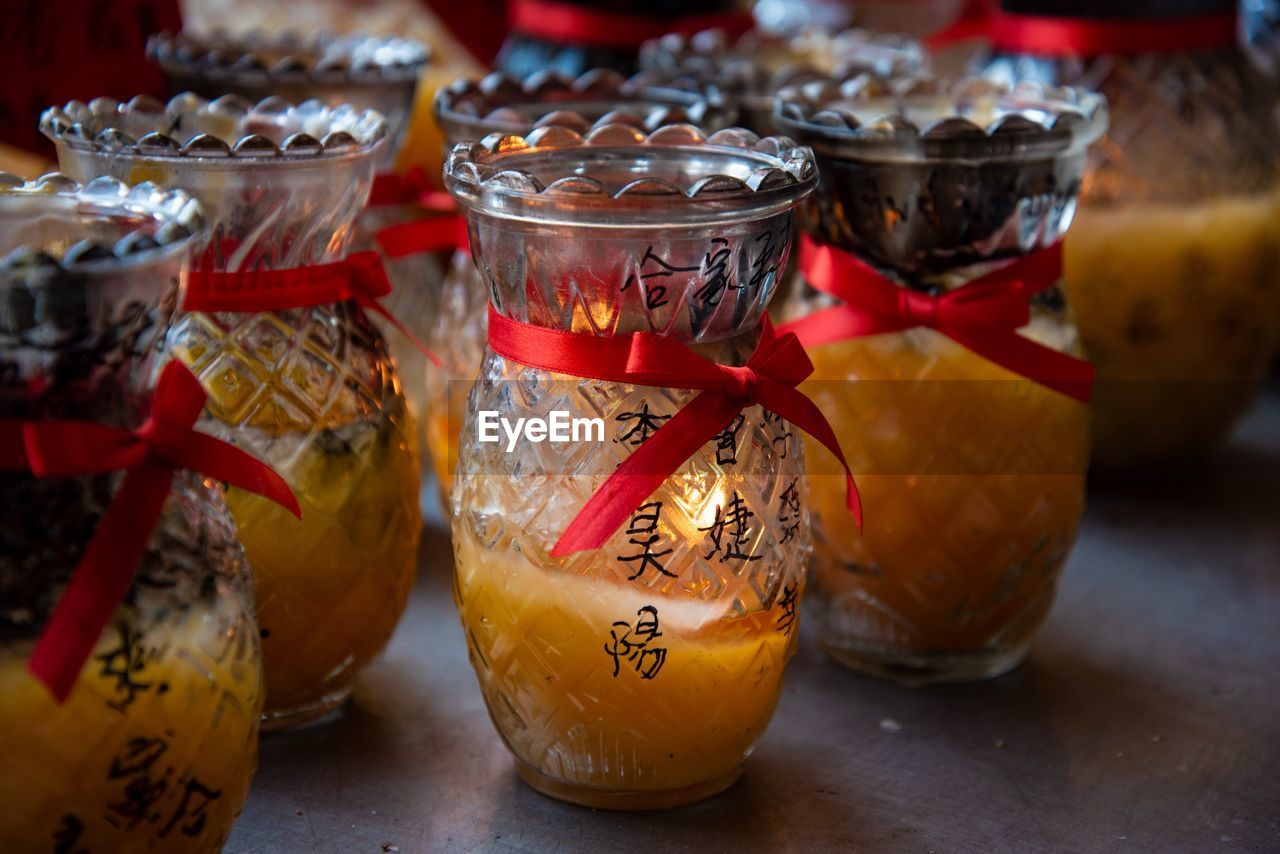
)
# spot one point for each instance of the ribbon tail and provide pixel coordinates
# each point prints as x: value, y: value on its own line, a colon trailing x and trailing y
x: 792, y: 405
x: 221, y: 461
x: 1044, y: 365
x: 100, y: 580
x: 378, y: 309
x: 645, y: 470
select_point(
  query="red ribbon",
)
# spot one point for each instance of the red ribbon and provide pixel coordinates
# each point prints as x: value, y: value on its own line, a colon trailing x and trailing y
x: 359, y: 277
x: 566, y: 23
x: 983, y: 316
x: 769, y: 378
x: 426, y: 234
x: 1064, y: 36
x: 150, y: 455
x: 429, y: 234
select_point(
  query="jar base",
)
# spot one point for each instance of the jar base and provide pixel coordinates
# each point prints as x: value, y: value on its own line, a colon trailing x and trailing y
x: 611, y: 799
x: 321, y: 711
x: 914, y: 669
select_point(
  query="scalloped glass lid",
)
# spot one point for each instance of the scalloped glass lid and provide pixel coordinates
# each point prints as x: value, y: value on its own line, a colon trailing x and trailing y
x: 53, y: 223
x: 190, y: 126
x: 935, y: 113
x: 289, y: 55
x: 500, y: 103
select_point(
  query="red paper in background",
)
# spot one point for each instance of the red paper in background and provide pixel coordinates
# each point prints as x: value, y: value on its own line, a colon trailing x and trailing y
x: 52, y: 51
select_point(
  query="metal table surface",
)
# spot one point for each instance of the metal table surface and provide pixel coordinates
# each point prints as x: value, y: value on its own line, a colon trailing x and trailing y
x: 1147, y: 719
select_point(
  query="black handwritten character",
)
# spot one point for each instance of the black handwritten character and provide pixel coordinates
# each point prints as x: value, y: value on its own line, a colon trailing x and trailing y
x: 633, y: 644
x: 646, y: 425
x: 770, y: 250
x: 195, y: 797
x: 67, y: 836
x: 782, y: 437
x: 715, y: 272
x: 142, y: 791
x: 124, y: 664
x: 655, y: 295
x: 730, y: 531
x: 789, y: 512
x: 790, y: 598
x: 643, y: 532
x: 727, y: 441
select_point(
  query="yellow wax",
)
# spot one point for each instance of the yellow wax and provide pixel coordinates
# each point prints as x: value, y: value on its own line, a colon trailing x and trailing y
x: 332, y: 586
x: 1177, y: 308
x: 972, y: 483
x: 540, y: 639
x: 164, y: 767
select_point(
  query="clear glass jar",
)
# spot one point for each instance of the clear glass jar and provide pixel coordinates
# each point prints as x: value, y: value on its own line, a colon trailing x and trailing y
x: 640, y: 674
x: 370, y: 72
x: 972, y: 476
x: 471, y: 110
x: 1172, y: 261
x: 311, y: 391
x: 157, y: 741
x: 750, y: 69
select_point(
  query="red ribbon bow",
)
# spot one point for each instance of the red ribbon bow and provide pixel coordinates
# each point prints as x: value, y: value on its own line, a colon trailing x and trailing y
x: 769, y: 378
x: 359, y: 277
x: 444, y: 233
x: 570, y: 23
x: 982, y: 316
x: 150, y: 455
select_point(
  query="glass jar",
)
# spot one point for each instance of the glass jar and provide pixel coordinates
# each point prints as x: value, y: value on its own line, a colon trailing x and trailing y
x: 639, y: 674
x: 1171, y: 265
x: 370, y: 72
x: 972, y: 475
x: 470, y: 110
x: 566, y: 39
x: 750, y: 69
x: 157, y: 741
x: 312, y: 391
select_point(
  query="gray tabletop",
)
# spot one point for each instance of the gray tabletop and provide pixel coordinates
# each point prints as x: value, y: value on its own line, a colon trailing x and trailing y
x: 1147, y: 719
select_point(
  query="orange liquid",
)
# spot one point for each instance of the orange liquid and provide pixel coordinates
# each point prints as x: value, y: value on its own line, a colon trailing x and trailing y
x: 165, y: 768
x: 972, y: 483
x: 539, y: 640
x: 1177, y: 309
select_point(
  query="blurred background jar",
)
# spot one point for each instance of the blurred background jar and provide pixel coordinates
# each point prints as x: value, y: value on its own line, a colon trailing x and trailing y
x: 469, y: 110
x: 370, y: 72
x: 915, y: 18
x: 157, y: 741
x: 572, y: 37
x: 312, y: 391
x: 639, y: 674
x: 972, y: 475
x: 750, y: 69
x: 1172, y: 264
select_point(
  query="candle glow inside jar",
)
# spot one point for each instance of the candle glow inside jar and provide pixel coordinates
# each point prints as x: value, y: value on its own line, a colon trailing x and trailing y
x: 972, y: 475
x: 89, y: 280
x: 310, y: 390
x: 472, y: 110
x: 641, y: 673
